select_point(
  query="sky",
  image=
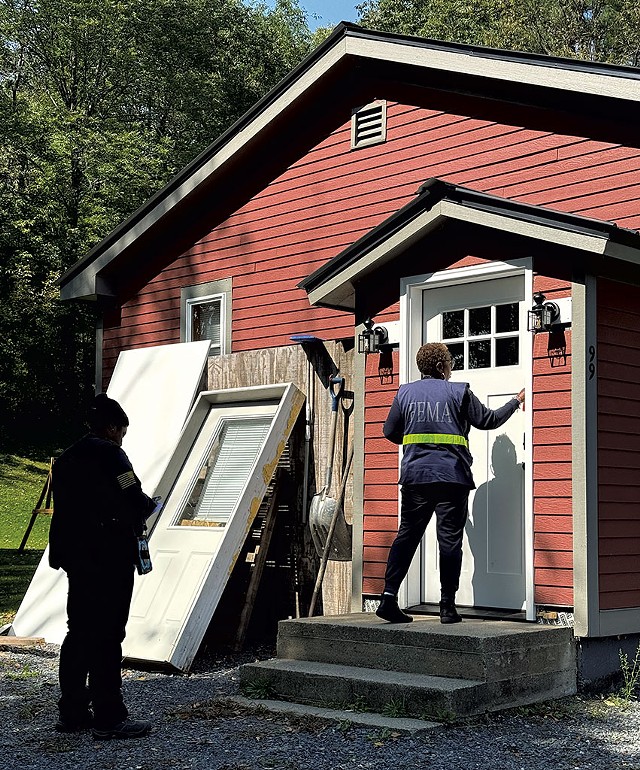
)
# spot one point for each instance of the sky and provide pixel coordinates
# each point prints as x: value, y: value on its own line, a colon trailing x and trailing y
x: 327, y: 13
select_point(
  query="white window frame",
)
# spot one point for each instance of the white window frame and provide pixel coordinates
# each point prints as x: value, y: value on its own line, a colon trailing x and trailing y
x: 200, y: 294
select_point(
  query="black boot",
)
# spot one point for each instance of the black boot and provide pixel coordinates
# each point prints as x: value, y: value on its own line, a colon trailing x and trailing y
x: 389, y: 610
x: 449, y: 613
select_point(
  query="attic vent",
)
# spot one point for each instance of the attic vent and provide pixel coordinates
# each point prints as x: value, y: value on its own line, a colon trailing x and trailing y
x: 369, y: 125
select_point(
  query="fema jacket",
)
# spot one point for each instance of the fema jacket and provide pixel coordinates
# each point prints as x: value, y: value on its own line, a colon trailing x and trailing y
x: 98, y: 503
x: 431, y: 419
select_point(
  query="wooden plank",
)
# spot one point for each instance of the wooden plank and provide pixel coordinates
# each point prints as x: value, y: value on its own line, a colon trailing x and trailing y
x: 558, y: 524
x: 553, y: 559
x: 557, y: 578
x: 619, y: 600
x: 546, y: 541
x: 259, y: 562
x: 554, y: 596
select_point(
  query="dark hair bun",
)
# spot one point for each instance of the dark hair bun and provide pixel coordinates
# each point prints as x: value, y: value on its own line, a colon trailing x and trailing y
x: 105, y: 412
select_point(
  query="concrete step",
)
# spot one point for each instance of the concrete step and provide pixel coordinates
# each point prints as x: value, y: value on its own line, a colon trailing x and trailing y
x: 388, y: 692
x: 479, y: 650
x: 342, y: 687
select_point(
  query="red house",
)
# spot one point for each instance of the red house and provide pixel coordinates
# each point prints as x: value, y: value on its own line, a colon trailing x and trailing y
x: 434, y: 189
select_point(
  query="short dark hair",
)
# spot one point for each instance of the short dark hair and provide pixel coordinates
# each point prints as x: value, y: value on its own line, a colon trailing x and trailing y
x: 430, y: 355
x: 106, y: 412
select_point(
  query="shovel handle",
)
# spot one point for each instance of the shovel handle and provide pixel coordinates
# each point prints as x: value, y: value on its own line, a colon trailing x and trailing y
x: 336, y: 386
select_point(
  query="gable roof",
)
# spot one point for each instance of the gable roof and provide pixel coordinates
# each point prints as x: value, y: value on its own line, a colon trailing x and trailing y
x: 439, y: 204
x: 351, y: 67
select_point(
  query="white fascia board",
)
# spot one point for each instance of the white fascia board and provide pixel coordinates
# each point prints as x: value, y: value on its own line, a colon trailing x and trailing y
x: 534, y: 230
x: 474, y: 63
x: 84, y: 284
x: 340, y: 286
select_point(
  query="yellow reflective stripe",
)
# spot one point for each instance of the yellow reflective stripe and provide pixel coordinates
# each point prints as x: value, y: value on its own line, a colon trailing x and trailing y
x: 434, y: 438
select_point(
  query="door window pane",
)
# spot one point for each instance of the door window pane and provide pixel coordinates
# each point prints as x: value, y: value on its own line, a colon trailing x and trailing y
x: 453, y: 324
x: 479, y: 321
x: 507, y: 351
x: 507, y: 319
x: 480, y: 354
x: 457, y: 354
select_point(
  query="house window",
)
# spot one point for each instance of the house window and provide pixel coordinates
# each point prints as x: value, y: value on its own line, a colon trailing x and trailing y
x: 205, y: 314
x: 369, y: 125
x: 481, y: 337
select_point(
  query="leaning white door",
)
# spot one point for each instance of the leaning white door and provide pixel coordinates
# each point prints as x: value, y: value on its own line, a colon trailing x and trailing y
x: 484, y: 325
x: 223, y: 464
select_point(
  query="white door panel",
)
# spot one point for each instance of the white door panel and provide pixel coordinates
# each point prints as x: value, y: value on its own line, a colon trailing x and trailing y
x: 221, y: 468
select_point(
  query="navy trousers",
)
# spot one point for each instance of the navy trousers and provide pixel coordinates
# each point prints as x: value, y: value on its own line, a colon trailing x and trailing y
x: 91, y: 654
x: 418, y: 504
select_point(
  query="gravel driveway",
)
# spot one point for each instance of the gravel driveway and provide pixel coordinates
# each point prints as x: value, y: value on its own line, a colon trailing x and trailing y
x: 197, y: 727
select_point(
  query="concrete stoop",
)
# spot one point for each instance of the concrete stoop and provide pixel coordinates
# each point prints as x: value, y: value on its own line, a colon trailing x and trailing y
x: 421, y: 669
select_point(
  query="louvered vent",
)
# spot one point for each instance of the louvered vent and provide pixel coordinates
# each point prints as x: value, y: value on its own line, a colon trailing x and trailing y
x: 369, y: 125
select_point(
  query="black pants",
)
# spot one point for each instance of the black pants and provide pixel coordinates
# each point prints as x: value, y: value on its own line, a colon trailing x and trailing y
x: 91, y: 653
x: 419, y: 501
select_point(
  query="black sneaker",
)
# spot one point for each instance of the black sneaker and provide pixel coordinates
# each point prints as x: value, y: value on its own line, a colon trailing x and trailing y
x: 76, y: 725
x: 126, y: 729
x: 449, y: 613
x: 389, y: 610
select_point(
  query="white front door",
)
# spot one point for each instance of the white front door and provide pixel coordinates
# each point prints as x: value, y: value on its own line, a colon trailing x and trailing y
x: 484, y: 325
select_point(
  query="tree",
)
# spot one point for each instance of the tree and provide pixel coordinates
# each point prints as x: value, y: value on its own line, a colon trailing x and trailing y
x: 101, y: 102
x: 595, y: 30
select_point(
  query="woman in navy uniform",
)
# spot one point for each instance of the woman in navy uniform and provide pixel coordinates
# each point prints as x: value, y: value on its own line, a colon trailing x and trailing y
x: 99, y: 511
x: 431, y: 418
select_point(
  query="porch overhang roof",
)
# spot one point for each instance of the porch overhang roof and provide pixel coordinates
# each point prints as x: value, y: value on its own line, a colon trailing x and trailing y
x: 353, y: 66
x: 439, y: 205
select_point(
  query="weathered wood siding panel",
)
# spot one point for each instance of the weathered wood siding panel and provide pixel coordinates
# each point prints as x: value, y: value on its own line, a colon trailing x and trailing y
x: 618, y: 356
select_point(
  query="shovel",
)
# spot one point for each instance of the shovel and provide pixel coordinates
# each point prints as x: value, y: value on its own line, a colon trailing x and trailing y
x: 323, y: 507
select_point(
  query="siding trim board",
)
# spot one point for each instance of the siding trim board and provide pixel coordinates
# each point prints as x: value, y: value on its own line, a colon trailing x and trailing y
x: 584, y: 404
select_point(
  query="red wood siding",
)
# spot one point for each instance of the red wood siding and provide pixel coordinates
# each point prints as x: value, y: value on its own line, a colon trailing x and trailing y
x: 552, y: 502
x: 381, y: 476
x: 333, y: 195
x: 618, y: 357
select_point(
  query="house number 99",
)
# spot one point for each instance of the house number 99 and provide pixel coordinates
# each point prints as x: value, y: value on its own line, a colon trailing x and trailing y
x: 592, y: 366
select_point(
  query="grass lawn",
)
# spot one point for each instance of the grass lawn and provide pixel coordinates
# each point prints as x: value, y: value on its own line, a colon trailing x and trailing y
x: 21, y: 483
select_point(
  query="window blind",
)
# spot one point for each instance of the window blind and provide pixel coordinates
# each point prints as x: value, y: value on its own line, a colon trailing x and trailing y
x: 240, y: 443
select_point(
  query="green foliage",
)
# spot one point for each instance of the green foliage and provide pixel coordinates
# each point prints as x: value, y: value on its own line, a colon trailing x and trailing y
x: 595, y: 30
x: 630, y: 675
x: 101, y: 102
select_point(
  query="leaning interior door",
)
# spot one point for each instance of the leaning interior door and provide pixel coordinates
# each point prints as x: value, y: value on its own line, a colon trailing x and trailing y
x: 483, y: 324
x: 219, y: 474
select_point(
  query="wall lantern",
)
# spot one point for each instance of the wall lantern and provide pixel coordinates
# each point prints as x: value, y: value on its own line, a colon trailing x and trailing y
x: 543, y: 315
x: 373, y: 338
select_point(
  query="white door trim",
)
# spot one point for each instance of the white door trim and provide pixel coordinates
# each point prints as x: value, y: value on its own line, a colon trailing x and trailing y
x: 411, y: 289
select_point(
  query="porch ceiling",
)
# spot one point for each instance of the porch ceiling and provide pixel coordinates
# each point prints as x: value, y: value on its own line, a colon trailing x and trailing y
x: 445, y: 217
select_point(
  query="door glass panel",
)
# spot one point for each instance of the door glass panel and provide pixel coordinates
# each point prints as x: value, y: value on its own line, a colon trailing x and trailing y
x: 507, y: 351
x: 457, y: 354
x: 507, y: 318
x: 480, y: 354
x: 224, y: 473
x: 479, y: 321
x: 453, y: 324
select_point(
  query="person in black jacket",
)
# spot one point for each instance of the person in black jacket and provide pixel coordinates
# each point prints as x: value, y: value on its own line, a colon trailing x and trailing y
x: 99, y: 511
x: 431, y: 418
